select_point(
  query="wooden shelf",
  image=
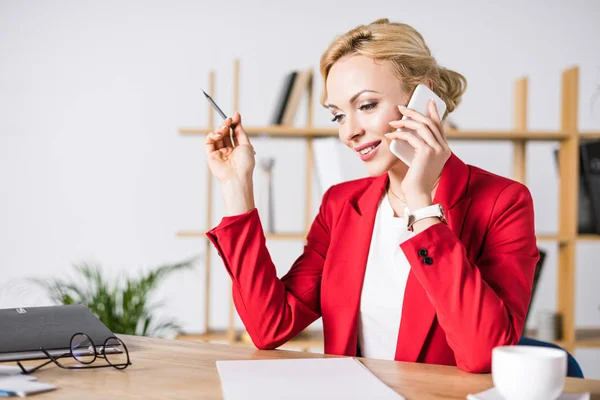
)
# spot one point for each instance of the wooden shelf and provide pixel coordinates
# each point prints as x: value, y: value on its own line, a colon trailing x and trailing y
x: 268, y: 236
x: 552, y: 238
x: 567, y: 138
x: 587, y: 337
x: 507, y: 135
x: 191, y: 234
x: 302, y: 236
x: 589, y: 135
x: 565, y: 240
x: 588, y: 238
x: 287, y: 131
x: 274, y: 130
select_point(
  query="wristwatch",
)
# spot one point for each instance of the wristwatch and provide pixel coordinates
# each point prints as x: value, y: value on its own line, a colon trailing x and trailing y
x: 435, y: 210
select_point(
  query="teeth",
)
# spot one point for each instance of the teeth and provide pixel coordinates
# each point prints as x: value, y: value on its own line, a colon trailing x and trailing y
x: 367, y: 149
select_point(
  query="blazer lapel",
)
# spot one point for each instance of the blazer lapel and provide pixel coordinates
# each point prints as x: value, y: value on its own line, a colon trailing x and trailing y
x: 347, y: 271
x: 417, y: 311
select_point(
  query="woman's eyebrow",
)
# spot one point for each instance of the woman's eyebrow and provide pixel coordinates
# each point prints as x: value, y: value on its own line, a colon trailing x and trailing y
x: 353, y: 99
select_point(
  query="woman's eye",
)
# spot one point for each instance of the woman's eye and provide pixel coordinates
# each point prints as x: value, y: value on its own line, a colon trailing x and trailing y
x: 367, y: 107
x: 337, y: 118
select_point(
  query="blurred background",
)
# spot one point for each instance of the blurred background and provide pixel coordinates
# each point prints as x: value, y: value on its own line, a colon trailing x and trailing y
x: 93, y: 168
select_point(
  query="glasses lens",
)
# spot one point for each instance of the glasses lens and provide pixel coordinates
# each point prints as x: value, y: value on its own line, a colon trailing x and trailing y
x: 82, y: 348
x: 116, y: 353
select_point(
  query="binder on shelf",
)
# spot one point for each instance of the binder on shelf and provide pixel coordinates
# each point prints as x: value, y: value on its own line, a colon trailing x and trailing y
x: 301, y: 82
x: 590, y: 159
x: 283, y: 99
x: 536, y: 279
x: 586, y: 212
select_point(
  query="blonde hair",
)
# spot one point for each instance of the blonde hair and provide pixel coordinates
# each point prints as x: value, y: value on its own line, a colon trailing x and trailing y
x: 405, y: 48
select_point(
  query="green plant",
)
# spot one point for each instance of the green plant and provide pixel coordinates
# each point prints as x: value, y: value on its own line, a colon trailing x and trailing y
x: 124, y: 308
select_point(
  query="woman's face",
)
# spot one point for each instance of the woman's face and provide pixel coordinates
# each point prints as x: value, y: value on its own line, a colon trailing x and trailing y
x: 363, y: 96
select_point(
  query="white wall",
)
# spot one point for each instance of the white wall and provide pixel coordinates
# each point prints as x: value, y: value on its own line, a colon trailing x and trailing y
x: 92, y: 94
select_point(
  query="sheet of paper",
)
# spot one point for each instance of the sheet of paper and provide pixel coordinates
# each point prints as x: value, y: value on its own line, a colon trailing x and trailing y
x: 22, y: 385
x: 312, y: 378
x: 7, y: 370
x: 492, y: 394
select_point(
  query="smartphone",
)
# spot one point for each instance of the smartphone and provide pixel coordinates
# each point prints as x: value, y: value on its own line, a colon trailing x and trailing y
x: 419, y: 102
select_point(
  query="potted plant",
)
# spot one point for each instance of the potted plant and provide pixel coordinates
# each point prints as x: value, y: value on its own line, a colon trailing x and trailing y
x: 124, y: 305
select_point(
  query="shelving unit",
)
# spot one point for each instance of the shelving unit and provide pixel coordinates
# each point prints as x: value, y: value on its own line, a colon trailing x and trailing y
x: 566, y: 237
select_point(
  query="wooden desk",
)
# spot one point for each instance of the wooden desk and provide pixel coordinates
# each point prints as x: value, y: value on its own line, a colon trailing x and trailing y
x: 184, y: 370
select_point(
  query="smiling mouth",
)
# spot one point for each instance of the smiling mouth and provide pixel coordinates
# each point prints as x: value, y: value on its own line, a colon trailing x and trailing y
x: 369, y: 149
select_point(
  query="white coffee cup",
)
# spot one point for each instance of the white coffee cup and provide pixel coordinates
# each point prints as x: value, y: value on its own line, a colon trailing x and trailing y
x: 529, y: 372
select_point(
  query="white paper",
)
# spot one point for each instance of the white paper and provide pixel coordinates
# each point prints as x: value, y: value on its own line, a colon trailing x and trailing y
x: 312, y: 378
x: 7, y: 370
x: 22, y: 385
x: 492, y: 394
x: 328, y: 163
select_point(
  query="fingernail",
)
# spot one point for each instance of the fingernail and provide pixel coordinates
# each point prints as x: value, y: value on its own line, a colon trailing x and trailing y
x: 401, y: 107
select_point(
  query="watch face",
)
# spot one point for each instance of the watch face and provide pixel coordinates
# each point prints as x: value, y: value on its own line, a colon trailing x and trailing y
x: 442, y: 213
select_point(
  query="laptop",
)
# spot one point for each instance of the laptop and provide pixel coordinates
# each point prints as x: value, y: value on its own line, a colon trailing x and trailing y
x: 24, y: 330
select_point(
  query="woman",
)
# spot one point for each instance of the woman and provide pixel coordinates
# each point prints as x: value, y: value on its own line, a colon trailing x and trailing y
x: 445, y: 290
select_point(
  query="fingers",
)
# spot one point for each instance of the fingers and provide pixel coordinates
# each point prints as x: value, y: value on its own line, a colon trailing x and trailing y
x: 421, y: 129
x: 414, y: 141
x: 437, y: 120
x: 432, y: 125
x: 215, y: 140
x: 238, y: 132
x: 210, y: 143
x: 227, y: 139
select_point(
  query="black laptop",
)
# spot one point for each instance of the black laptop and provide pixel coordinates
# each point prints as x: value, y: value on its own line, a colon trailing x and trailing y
x: 24, y: 330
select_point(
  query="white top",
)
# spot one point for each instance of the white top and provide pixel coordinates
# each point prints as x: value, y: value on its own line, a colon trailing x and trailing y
x: 384, y: 285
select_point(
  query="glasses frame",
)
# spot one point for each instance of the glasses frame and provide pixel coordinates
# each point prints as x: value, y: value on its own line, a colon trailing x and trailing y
x: 98, y: 353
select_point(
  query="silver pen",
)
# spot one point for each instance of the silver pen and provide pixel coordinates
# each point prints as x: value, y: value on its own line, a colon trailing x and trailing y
x: 222, y: 114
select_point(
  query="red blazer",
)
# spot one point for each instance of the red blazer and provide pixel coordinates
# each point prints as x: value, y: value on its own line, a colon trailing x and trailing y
x: 473, y: 296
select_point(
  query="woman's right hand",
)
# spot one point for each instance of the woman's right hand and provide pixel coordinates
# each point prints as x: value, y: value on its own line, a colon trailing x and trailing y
x: 226, y: 162
x: 232, y: 165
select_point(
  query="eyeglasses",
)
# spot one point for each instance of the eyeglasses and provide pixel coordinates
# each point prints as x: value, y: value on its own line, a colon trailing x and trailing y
x: 85, y: 352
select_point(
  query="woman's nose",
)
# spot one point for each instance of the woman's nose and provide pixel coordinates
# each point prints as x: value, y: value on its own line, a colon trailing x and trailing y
x: 351, y: 130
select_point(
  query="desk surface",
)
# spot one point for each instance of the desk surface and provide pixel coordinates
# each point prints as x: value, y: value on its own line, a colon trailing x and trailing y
x: 177, y: 369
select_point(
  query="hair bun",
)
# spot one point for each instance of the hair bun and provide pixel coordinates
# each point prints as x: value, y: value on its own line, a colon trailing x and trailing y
x: 451, y: 87
x: 380, y: 21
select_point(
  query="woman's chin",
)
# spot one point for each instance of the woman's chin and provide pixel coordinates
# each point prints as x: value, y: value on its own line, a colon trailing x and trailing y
x: 380, y: 167
x: 377, y: 169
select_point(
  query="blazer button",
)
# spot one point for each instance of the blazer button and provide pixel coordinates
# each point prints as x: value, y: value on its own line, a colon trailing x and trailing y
x: 428, y: 260
x: 422, y: 252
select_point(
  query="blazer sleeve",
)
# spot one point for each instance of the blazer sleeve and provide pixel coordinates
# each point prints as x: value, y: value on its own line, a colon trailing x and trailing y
x: 273, y: 310
x: 481, y: 305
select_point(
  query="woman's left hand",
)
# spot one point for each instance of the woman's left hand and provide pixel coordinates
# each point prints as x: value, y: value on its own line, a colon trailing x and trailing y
x: 431, y: 153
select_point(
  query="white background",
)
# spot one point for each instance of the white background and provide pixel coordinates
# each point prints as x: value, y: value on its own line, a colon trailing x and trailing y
x: 92, y: 94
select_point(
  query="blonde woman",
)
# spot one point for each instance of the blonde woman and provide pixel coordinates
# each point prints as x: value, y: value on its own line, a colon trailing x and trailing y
x: 432, y: 263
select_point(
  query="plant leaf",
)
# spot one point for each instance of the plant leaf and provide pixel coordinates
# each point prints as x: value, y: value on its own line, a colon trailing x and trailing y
x: 124, y: 308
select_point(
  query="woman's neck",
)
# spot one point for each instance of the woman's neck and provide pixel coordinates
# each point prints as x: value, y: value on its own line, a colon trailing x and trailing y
x: 395, y: 197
